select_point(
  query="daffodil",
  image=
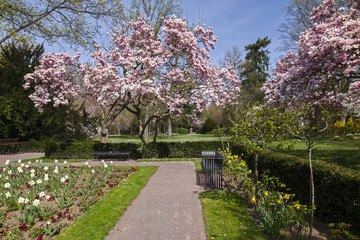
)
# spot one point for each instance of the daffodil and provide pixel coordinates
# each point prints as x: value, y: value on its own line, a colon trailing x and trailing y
x: 266, y: 193
x: 36, y: 202
x: 7, y: 185
x: 279, y: 201
x: 287, y: 196
x: 253, y: 199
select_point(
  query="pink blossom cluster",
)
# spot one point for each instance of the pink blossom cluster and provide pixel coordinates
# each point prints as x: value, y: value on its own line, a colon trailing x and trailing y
x: 142, y: 68
x: 326, y: 64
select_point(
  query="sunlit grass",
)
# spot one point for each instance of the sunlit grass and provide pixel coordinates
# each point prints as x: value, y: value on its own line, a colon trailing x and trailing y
x: 164, y: 138
x: 226, y: 217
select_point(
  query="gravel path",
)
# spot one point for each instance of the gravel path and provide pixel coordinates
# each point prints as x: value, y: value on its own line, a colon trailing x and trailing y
x: 167, y: 208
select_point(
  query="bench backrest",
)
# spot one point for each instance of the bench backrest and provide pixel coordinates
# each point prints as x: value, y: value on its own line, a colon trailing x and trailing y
x: 9, y: 140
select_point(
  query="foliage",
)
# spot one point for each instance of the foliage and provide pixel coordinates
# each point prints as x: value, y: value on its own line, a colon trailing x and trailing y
x: 340, y: 231
x: 82, y: 149
x: 183, y: 131
x: 74, y: 22
x: 226, y: 216
x: 259, y: 126
x: 255, y: 69
x: 208, y: 126
x: 348, y: 127
x: 277, y: 213
x: 337, y: 188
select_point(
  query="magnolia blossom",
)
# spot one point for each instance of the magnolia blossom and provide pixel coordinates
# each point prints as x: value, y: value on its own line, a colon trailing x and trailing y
x: 326, y: 64
x: 164, y: 72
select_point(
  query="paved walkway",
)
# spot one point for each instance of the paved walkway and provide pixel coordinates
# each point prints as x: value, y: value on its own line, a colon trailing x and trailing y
x: 167, y: 208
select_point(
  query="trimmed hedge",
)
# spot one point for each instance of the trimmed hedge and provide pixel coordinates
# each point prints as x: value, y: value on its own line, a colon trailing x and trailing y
x: 24, y: 147
x: 82, y: 150
x: 337, y: 189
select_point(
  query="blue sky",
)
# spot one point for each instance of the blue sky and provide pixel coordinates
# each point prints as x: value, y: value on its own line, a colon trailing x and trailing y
x: 235, y: 22
x: 239, y: 22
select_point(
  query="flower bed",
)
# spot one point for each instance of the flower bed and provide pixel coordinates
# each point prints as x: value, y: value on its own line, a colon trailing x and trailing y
x: 38, y: 202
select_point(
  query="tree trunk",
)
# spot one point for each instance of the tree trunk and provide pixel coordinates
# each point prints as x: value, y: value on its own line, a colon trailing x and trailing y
x: 343, y: 115
x: 169, y: 128
x: 104, y: 133
x: 156, y: 130
x: 146, y: 131
x: 312, y: 193
x: 191, y: 131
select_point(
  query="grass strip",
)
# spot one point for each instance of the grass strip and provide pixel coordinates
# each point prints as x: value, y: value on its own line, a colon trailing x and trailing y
x: 197, y: 161
x: 97, y: 221
x: 226, y: 217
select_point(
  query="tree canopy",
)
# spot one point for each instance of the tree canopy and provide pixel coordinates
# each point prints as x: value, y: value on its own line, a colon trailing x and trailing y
x: 72, y: 21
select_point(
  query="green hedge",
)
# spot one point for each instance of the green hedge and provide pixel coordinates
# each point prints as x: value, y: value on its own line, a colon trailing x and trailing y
x: 79, y: 150
x: 24, y: 147
x: 337, y: 189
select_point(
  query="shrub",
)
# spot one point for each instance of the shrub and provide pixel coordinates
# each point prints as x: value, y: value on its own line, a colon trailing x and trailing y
x: 337, y: 189
x: 183, y: 131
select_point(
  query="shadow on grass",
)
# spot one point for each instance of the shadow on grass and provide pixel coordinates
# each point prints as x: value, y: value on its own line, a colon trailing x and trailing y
x: 345, y: 158
x: 226, y: 216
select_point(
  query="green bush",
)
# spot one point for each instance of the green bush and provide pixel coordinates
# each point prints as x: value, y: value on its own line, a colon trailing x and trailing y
x: 337, y: 189
x: 82, y: 149
x: 183, y: 131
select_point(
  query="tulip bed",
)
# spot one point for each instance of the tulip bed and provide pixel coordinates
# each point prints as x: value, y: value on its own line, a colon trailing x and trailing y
x: 39, y: 202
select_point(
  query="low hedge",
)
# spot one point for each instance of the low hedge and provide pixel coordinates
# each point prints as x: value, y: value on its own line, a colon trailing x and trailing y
x: 337, y: 189
x: 82, y: 149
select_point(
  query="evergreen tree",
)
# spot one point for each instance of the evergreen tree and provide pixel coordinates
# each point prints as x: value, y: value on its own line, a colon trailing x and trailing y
x: 255, y: 70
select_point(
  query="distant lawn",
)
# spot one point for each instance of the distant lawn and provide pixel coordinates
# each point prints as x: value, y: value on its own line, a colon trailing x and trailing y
x: 346, y: 154
x: 164, y: 138
x: 226, y: 217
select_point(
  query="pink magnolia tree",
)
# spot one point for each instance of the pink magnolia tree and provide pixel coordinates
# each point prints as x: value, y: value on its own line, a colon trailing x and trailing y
x: 326, y: 64
x: 322, y: 75
x: 141, y: 70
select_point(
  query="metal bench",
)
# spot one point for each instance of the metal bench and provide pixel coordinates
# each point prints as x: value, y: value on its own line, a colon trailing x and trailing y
x: 211, y: 165
x: 110, y: 154
x: 6, y: 142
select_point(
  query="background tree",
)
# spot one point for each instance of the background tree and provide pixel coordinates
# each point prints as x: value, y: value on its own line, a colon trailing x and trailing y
x: 74, y: 22
x: 255, y: 69
x: 18, y: 116
x: 155, y: 12
x: 298, y: 20
x: 124, y: 76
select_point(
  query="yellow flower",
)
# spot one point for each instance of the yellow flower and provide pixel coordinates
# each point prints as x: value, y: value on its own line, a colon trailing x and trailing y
x: 266, y: 193
x: 212, y: 238
x: 287, y: 196
x: 250, y: 171
x: 279, y: 201
x: 253, y: 199
x: 229, y: 161
x: 297, y: 206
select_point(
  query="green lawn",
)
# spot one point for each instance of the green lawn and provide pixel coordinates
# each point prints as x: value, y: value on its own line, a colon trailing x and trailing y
x: 164, y: 138
x: 343, y: 153
x: 226, y: 217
